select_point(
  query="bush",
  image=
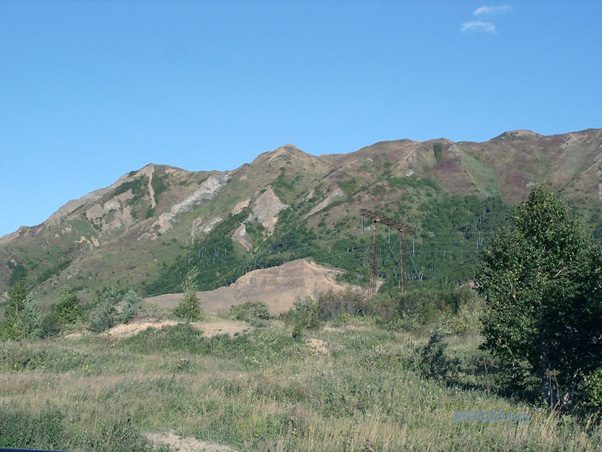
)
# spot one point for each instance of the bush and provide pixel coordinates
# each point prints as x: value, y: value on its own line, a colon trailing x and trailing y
x: 105, y: 315
x: 468, y: 318
x: 593, y: 390
x: 333, y: 304
x: 15, y: 356
x: 14, y: 310
x: 305, y: 315
x: 271, y: 344
x: 178, y: 338
x: 24, y: 323
x: 131, y: 306
x: 251, y: 310
x: 419, y: 310
x: 337, y: 306
x: 541, y: 281
x: 50, y: 325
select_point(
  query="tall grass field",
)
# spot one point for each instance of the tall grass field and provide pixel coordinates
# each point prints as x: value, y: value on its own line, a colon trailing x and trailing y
x: 346, y: 385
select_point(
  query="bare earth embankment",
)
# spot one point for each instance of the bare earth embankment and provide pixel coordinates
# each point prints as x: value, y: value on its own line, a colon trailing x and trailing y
x: 278, y: 286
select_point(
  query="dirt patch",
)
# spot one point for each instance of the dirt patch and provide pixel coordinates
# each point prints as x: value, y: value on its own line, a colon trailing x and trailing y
x: 279, y: 287
x: 209, y: 329
x: 131, y: 329
x: 186, y: 444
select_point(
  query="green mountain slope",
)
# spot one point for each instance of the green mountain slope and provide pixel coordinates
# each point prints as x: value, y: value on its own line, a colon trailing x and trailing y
x: 150, y: 226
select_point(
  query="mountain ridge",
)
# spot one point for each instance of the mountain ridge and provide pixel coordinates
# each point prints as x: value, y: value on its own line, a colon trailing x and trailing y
x: 149, y: 218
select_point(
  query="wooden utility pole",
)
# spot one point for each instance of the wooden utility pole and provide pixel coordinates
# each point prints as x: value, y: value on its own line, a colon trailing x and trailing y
x: 401, y: 229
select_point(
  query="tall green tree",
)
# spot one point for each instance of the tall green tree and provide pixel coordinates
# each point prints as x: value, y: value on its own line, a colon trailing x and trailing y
x: 67, y: 309
x: 22, y: 315
x: 541, y: 281
x: 27, y: 323
x: 16, y: 300
x: 15, y: 309
x: 105, y: 315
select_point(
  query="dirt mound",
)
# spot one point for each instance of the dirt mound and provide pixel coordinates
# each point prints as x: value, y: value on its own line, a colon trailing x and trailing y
x: 209, y: 329
x: 279, y: 287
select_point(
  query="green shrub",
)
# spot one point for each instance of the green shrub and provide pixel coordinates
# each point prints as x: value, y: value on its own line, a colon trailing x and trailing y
x: 333, y: 304
x: 419, y: 310
x: 107, y: 313
x: 305, y: 315
x: 467, y: 320
x: 50, y: 325
x: 104, y: 315
x: 593, y: 389
x: 438, y: 151
x: 16, y: 356
x: 159, y: 183
x: 24, y: 322
x: 131, y: 305
x: 14, y: 309
x: 251, y: 310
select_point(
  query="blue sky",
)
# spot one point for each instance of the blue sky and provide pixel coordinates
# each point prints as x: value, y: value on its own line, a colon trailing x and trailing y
x: 90, y: 90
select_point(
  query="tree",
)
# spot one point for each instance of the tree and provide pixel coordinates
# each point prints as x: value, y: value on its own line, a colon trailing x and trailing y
x: 190, y: 307
x: 112, y: 308
x: 67, y: 309
x: 22, y: 313
x: 105, y: 315
x: 16, y: 301
x: 28, y: 322
x: 131, y: 306
x: 541, y: 281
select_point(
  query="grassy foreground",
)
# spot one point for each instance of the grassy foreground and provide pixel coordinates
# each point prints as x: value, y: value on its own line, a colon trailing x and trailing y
x: 354, y: 387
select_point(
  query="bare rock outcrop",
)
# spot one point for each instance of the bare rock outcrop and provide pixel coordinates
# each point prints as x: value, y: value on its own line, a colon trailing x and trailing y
x: 206, y: 191
x: 266, y: 209
x: 337, y: 193
x: 240, y: 236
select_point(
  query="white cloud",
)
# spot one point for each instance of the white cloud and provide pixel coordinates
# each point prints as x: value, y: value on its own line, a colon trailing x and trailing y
x: 489, y: 10
x: 478, y: 26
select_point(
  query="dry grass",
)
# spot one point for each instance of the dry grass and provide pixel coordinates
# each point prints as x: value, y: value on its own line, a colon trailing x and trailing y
x: 265, y: 391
